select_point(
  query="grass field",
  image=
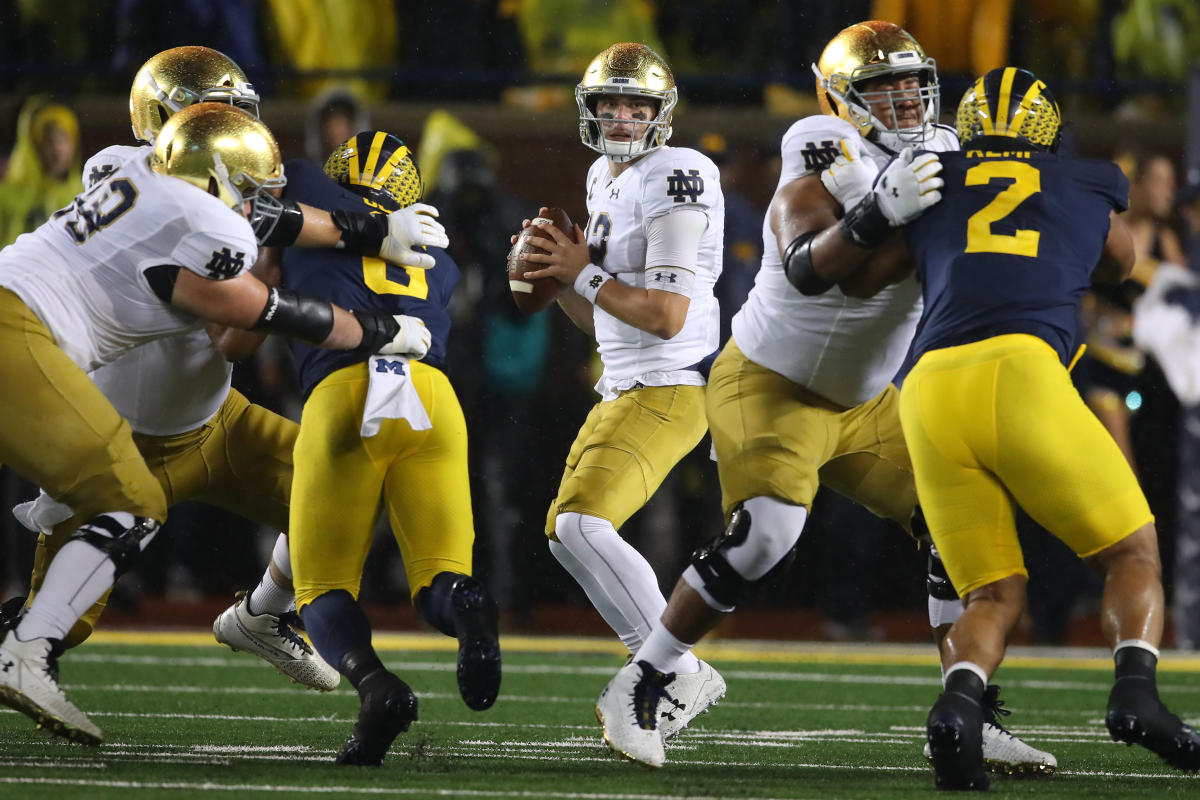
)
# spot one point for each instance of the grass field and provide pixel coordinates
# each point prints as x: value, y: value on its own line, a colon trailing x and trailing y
x: 183, y: 717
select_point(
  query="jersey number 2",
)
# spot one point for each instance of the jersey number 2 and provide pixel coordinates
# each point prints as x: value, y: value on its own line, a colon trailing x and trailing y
x: 1026, y: 181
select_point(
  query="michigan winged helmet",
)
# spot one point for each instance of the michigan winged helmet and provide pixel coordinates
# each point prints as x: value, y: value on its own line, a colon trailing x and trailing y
x: 1010, y: 102
x: 177, y: 78
x: 870, y: 50
x: 632, y: 69
x: 377, y: 166
x: 222, y: 150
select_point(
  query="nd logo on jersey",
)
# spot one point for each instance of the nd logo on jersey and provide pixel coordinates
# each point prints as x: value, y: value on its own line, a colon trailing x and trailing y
x: 225, y: 264
x: 685, y: 187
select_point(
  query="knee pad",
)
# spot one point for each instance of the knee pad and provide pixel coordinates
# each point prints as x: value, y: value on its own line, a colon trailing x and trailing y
x: 937, y: 582
x: 758, y: 544
x: 121, y: 542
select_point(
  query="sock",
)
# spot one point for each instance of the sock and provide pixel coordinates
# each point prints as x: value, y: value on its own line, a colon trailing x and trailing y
x: 359, y: 665
x: 613, y: 575
x: 434, y: 602
x: 1134, y: 658
x: 667, y: 654
x: 968, y: 679
x: 337, y: 625
x: 268, y: 597
x: 78, y: 576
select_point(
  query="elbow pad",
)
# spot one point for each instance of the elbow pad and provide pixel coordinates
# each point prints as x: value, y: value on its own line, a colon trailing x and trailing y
x: 798, y: 267
x: 296, y: 316
x: 361, y: 233
x: 276, y: 223
x: 865, y: 225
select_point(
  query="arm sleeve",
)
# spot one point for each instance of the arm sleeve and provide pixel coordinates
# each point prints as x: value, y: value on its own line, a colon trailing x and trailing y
x: 672, y: 246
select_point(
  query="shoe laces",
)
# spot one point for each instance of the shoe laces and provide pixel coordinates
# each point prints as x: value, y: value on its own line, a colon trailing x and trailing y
x: 994, y: 708
x: 648, y: 692
x: 285, y: 626
x: 56, y: 650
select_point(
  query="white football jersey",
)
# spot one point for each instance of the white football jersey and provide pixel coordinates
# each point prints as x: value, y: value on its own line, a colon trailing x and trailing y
x: 170, y: 385
x: 845, y: 349
x: 83, y: 271
x: 619, y: 210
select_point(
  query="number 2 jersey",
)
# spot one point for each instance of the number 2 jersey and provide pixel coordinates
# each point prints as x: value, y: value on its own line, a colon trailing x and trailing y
x: 359, y: 282
x: 83, y: 271
x: 619, y: 210
x: 1012, y: 245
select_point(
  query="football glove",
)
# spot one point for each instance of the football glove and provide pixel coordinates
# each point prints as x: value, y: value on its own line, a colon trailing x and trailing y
x: 908, y: 185
x: 411, y: 227
x: 850, y: 177
x: 392, y: 334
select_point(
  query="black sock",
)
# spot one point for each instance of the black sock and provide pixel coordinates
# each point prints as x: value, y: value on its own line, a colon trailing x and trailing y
x: 966, y: 683
x: 1135, y: 662
x: 337, y: 625
x: 434, y: 602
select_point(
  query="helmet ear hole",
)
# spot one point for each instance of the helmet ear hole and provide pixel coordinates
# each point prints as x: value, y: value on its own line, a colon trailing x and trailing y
x: 163, y: 115
x: 213, y: 189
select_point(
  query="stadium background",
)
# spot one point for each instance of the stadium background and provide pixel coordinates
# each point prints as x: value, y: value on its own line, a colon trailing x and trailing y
x: 482, y: 88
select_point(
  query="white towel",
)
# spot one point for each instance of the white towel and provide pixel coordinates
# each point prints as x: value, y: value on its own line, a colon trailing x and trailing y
x: 391, y: 395
x: 41, y: 514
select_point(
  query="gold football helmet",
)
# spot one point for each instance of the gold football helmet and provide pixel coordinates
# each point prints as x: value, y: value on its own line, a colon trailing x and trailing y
x: 179, y: 77
x: 627, y: 68
x: 1010, y: 102
x: 875, y: 49
x: 377, y: 166
x: 222, y: 150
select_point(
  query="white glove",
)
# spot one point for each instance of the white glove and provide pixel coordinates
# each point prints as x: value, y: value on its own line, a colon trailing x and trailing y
x: 411, y: 340
x: 850, y: 177
x: 907, y: 186
x: 411, y: 227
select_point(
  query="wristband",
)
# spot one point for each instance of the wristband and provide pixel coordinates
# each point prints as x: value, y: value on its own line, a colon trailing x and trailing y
x: 589, y: 281
x: 865, y: 225
x: 361, y: 233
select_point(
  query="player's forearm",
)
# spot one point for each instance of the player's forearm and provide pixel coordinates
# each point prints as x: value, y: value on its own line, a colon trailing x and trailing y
x: 650, y: 310
x: 579, y: 311
x: 318, y: 230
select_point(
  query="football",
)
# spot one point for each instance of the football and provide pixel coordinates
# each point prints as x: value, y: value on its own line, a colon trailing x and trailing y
x: 534, y: 295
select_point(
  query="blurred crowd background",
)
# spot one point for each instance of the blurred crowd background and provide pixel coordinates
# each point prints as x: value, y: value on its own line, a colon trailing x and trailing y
x: 483, y: 89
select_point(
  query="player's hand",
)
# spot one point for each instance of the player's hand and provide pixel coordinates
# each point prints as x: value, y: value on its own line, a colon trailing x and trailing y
x: 412, y: 338
x: 908, y: 185
x: 565, y: 257
x: 850, y: 177
x: 411, y: 227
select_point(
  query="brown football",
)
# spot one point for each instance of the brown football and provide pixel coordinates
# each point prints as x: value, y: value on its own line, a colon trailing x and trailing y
x: 534, y: 295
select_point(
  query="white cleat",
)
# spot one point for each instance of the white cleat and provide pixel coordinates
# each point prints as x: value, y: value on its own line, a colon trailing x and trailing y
x: 1005, y: 754
x: 28, y: 684
x: 270, y: 638
x: 689, y: 696
x: 628, y: 710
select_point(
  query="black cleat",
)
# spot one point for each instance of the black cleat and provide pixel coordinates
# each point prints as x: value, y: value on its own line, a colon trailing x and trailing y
x: 1137, y: 716
x: 388, y: 707
x: 477, y: 629
x: 954, y: 730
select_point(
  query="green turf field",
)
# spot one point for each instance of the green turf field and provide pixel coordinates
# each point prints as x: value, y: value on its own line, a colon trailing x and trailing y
x: 183, y: 717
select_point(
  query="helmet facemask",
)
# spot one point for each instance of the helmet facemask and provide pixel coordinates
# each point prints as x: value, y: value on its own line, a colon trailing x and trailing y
x: 646, y: 135
x: 856, y: 104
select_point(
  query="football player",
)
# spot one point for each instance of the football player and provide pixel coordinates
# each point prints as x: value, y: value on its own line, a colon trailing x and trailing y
x: 202, y: 439
x: 388, y: 431
x: 801, y: 395
x: 643, y: 275
x: 152, y: 250
x: 992, y: 419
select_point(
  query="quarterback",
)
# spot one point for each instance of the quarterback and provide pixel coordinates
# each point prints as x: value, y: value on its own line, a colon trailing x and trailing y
x: 152, y: 250
x: 801, y: 395
x: 643, y: 275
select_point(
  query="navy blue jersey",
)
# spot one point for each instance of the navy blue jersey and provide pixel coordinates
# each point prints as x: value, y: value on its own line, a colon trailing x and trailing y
x: 1011, y: 246
x: 357, y: 282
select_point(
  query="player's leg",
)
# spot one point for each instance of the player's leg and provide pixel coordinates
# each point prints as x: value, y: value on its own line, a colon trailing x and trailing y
x: 61, y: 433
x: 1083, y: 490
x: 335, y: 497
x: 247, y: 453
x: 428, y: 500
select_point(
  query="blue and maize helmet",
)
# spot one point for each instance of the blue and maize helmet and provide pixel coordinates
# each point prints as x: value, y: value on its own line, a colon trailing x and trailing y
x: 378, y: 167
x: 1012, y: 102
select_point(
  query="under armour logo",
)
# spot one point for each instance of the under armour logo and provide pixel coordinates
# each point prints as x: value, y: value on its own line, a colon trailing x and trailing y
x: 614, y: 194
x: 596, y: 281
x: 387, y: 365
x: 818, y: 156
x: 665, y: 277
x: 225, y: 264
x: 7, y: 665
x: 669, y: 713
x: 683, y: 187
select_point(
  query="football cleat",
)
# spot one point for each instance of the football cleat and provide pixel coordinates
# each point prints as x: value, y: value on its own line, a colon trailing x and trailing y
x: 476, y: 626
x: 1003, y: 753
x: 954, y: 731
x: 272, y: 639
x: 688, y: 697
x: 628, y: 710
x: 28, y: 684
x: 1136, y: 716
x: 388, y: 707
